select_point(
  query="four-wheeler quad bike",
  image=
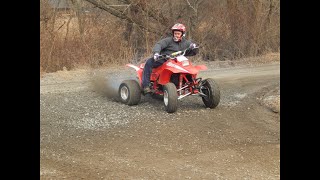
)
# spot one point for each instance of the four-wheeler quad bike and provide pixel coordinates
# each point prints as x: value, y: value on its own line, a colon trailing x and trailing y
x: 174, y: 80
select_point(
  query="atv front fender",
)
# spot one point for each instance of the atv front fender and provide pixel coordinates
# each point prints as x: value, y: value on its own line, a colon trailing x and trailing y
x: 165, y: 77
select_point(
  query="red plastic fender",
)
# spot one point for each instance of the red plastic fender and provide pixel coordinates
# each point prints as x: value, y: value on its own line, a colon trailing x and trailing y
x: 139, y: 70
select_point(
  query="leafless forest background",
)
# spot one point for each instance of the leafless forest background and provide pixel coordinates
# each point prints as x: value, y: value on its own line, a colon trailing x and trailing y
x: 98, y: 33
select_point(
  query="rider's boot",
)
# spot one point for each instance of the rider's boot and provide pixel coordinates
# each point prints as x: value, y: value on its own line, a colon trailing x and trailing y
x: 146, y: 90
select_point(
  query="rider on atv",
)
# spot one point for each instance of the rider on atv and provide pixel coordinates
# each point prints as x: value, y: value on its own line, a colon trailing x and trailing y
x: 167, y: 46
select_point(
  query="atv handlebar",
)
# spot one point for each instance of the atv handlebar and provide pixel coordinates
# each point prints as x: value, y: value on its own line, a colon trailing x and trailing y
x: 175, y: 54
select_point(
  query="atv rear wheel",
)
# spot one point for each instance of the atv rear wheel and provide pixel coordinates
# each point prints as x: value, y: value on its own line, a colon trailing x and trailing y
x: 170, y: 97
x: 212, y: 90
x: 129, y: 92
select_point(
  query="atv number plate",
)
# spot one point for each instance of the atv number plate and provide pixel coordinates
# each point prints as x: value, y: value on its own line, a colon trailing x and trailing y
x: 185, y: 63
x: 184, y: 60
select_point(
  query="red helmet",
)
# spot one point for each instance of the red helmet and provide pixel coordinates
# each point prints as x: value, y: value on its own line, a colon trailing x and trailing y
x: 179, y: 27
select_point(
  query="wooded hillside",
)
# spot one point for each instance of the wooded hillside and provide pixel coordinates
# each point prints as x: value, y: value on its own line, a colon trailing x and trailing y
x: 101, y: 32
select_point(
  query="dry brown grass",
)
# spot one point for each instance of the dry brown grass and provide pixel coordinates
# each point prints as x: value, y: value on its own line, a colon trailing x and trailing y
x: 262, y: 59
x: 98, y: 46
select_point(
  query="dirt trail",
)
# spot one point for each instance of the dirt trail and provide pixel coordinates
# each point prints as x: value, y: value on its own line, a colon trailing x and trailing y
x: 86, y: 133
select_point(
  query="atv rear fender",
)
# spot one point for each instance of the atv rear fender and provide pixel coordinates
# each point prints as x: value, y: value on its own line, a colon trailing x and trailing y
x: 139, y: 71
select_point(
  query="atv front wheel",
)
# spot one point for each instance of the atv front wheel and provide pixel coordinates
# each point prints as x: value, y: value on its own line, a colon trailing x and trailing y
x: 212, y: 92
x: 129, y: 92
x: 170, y: 97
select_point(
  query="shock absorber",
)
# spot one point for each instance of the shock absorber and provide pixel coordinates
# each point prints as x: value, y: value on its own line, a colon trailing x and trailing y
x: 180, y: 83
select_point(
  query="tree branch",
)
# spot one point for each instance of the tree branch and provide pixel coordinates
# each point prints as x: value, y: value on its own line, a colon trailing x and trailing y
x: 191, y: 6
x: 120, y: 14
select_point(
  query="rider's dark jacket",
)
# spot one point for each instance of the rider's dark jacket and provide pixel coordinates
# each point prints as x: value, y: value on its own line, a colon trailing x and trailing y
x: 168, y: 46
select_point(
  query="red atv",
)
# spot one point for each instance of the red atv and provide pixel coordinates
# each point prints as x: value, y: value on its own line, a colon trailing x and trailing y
x: 173, y: 80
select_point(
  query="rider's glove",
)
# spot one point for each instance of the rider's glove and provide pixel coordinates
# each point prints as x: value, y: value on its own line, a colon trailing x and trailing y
x: 156, y: 56
x: 192, y: 46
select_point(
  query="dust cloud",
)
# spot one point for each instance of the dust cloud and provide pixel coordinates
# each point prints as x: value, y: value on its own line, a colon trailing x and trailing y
x: 105, y: 86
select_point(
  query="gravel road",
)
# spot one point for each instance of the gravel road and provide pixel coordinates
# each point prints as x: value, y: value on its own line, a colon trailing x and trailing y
x: 86, y: 133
